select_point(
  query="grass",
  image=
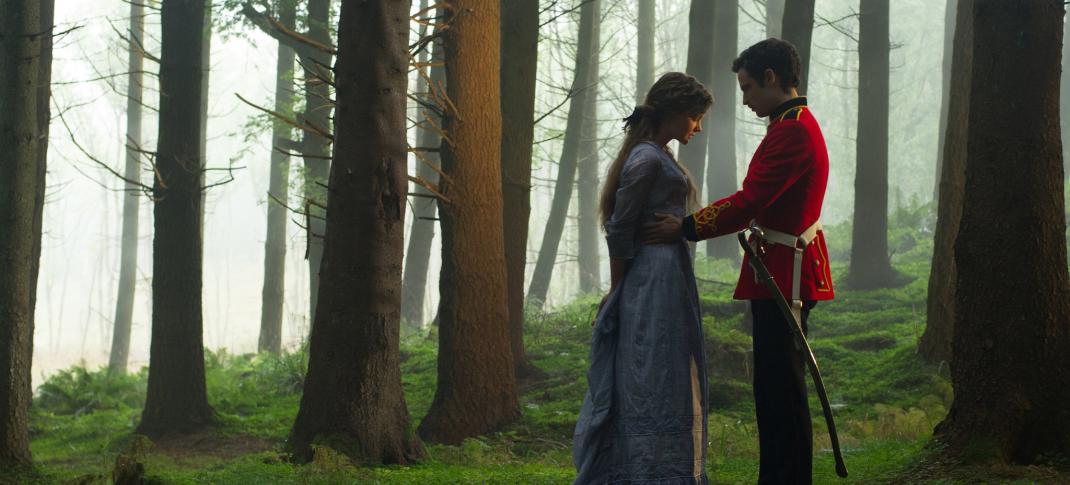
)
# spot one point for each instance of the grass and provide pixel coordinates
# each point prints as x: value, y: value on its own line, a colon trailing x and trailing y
x: 886, y: 399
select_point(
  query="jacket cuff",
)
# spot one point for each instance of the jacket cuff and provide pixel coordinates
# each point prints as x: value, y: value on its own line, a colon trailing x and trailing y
x: 688, y: 227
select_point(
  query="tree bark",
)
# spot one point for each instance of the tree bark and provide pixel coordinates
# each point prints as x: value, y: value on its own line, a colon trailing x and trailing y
x: 566, y: 168
x: 418, y: 256
x: 44, y: 119
x: 774, y: 17
x: 945, y: 93
x: 644, y: 78
x: 25, y: 70
x: 176, y: 401
x: 206, y: 71
x: 721, y: 121
x: 315, y: 148
x: 353, y: 400
x: 935, y: 344
x: 274, y: 289
x: 520, y: 42
x: 870, y: 266
x: 798, y: 28
x: 699, y: 64
x: 1064, y: 101
x: 1010, y: 366
x: 476, y: 390
x: 587, y: 179
x: 124, y: 305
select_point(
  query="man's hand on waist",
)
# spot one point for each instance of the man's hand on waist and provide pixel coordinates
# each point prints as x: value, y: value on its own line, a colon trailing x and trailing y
x: 664, y: 230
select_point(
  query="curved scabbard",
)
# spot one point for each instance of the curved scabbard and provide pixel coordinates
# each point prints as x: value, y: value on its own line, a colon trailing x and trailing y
x: 763, y: 275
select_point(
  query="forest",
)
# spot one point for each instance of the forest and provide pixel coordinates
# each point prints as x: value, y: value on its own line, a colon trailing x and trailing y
x: 359, y: 241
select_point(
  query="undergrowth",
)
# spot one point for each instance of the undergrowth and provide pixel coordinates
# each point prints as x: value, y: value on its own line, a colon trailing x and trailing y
x: 886, y: 400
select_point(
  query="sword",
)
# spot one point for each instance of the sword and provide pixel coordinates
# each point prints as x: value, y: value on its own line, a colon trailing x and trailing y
x: 800, y: 340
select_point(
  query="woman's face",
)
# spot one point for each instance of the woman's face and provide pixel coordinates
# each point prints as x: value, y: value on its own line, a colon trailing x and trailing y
x: 683, y: 126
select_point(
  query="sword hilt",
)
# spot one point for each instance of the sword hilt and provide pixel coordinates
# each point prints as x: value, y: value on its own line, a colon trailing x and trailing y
x: 757, y: 231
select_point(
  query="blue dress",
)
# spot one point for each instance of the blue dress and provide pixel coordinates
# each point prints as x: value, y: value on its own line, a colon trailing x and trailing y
x: 643, y: 419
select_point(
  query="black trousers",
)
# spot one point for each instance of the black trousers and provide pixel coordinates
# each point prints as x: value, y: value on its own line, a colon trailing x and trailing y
x: 784, y: 433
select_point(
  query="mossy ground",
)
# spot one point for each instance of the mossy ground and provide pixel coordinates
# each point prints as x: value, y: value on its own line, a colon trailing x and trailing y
x: 886, y: 399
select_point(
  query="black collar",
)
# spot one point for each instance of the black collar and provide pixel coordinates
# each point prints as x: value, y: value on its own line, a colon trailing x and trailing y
x: 785, y: 106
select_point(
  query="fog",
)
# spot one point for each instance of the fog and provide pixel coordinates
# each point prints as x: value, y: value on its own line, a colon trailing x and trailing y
x: 79, y: 263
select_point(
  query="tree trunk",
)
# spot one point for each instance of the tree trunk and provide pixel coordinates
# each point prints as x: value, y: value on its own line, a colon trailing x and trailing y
x: 520, y: 42
x: 699, y: 64
x: 418, y: 256
x: 566, y: 168
x: 870, y: 266
x: 644, y: 78
x: 774, y: 17
x: 798, y: 27
x: 1064, y: 101
x: 353, y: 399
x: 315, y: 148
x: 476, y: 390
x: 272, y: 295
x: 1010, y: 366
x: 25, y: 68
x: 206, y: 69
x: 945, y: 90
x: 44, y: 119
x: 587, y: 179
x: 176, y: 401
x: 124, y: 306
x: 935, y: 344
x: 721, y: 121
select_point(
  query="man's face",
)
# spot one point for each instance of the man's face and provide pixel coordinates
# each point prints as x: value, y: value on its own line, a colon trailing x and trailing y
x: 761, y: 99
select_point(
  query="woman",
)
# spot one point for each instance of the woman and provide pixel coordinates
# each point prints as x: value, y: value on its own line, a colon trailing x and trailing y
x: 644, y: 415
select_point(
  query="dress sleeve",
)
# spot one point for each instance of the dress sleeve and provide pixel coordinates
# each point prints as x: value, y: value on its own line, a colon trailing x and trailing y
x: 636, y: 180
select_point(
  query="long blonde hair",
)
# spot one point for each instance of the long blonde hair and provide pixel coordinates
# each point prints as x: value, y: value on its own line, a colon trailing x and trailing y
x: 673, y: 93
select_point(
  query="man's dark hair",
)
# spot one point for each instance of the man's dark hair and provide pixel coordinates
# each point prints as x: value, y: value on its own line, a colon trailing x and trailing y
x: 776, y: 54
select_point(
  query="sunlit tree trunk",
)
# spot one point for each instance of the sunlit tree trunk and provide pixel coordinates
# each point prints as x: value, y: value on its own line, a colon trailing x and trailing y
x: 1010, y: 366
x: 124, y: 306
x: 797, y: 27
x: 176, y: 400
x: 352, y: 397
x: 870, y: 266
x: 566, y: 168
x: 274, y: 288
x: 476, y: 390
x: 644, y: 77
x: 935, y: 344
x: 721, y: 121
x: 520, y: 42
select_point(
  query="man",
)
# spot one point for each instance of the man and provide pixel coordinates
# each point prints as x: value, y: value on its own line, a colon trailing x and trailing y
x: 782, y: 193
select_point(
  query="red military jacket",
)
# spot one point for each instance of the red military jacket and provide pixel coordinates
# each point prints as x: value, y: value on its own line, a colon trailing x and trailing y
x: 783, y: 190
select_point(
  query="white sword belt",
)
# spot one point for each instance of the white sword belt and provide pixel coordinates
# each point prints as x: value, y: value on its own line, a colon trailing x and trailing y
x: 799, y: 244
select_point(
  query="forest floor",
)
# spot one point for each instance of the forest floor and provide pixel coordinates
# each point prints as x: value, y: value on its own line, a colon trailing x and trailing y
x: 886, y: 401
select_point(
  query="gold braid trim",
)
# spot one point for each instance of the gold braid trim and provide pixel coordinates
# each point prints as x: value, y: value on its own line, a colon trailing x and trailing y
x: 706, y: 219
x: 792, y: 114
